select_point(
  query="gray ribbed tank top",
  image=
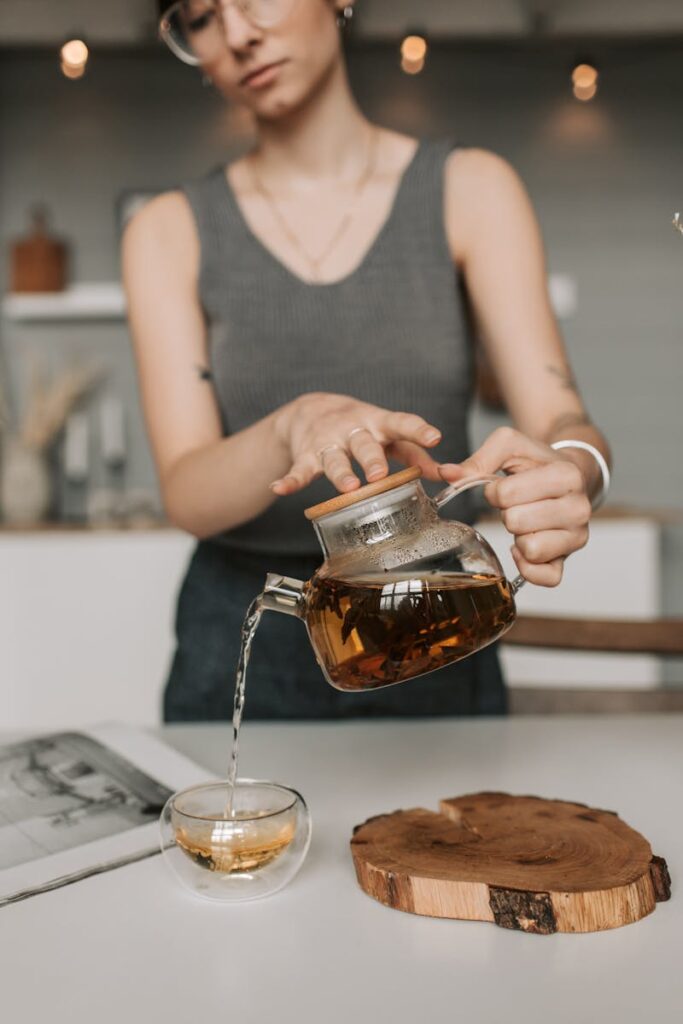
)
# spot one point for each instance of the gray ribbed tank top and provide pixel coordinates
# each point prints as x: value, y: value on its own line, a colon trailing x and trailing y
x: 392, y: 332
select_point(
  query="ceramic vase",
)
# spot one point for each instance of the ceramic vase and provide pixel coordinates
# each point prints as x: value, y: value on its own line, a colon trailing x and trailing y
x: 25, y: 486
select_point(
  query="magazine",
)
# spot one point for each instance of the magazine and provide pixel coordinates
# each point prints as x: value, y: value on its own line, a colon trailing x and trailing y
x: 75, y: 804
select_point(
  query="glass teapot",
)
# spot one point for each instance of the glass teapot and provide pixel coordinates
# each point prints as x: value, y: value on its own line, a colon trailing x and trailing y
x: 401, y: 591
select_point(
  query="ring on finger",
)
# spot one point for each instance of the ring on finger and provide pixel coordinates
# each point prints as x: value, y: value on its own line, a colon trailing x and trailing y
x: 329, y: 448
x: 356, y: 430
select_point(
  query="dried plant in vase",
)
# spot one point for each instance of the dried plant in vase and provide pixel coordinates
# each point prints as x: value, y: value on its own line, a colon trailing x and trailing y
x: 25, y: 485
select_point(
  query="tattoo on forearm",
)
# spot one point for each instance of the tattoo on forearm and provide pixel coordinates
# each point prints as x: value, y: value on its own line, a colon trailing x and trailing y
x: 203, y: 372
x: 565, y: 377
x: 567, y: 420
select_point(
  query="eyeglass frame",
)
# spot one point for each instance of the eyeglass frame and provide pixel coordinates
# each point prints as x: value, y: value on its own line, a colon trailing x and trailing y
x: 165, y: 33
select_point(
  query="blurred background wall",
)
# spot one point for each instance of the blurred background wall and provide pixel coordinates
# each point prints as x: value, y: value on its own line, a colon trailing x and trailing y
x: 606, y: 178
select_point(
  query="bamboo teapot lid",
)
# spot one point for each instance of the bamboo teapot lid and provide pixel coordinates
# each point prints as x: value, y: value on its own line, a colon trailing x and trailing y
x: 387, y: 483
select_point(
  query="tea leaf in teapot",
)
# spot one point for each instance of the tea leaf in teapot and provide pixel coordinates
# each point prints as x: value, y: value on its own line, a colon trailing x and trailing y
x: 403, y: 627
x: 356, y: 613
x: 327, y: 597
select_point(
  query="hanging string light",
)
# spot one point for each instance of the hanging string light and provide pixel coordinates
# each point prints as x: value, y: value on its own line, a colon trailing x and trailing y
x: 73, y: 58
x: 413, y: 54
x: 585, y: 82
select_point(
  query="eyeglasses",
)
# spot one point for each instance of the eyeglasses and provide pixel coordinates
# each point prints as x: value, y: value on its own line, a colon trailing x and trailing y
x: 194, y: 30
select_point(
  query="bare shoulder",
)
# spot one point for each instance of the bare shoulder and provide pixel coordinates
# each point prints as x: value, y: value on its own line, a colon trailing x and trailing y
x: 481, y: 189
x: 480, y: 172
x: 164, y: 227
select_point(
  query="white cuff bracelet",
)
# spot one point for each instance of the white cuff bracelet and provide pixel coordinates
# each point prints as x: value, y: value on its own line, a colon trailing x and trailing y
x: 599, y: 458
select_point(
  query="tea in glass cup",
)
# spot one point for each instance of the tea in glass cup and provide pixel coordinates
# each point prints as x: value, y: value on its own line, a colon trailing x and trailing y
x: 249, y: 852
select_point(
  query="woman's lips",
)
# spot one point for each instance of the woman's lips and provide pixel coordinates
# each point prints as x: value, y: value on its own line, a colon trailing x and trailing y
x: 262, y: 76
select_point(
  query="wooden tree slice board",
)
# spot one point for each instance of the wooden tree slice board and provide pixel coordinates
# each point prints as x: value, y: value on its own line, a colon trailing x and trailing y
x: 520, y: 862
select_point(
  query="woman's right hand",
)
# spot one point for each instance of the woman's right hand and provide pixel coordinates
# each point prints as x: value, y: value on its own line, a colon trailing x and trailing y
x: 322, y: 432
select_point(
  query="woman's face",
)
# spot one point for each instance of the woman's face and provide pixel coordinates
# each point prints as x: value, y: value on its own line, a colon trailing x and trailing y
x: 274, y: 70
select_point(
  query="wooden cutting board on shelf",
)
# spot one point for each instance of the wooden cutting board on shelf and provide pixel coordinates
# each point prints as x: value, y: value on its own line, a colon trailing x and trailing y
x: 520, y: 862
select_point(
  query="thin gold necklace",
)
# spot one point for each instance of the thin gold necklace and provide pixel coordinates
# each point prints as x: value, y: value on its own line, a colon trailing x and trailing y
x: 315, y: 262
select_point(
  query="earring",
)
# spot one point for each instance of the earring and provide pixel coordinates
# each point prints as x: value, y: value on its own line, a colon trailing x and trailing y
x: 344, y: 16
x: 206, y: 79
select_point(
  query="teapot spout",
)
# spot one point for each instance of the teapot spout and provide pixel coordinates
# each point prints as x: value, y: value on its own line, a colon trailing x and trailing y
x: 283, y: 594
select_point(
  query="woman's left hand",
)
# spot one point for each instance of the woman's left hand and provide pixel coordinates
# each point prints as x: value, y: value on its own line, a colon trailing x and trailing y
x: 543, y: 500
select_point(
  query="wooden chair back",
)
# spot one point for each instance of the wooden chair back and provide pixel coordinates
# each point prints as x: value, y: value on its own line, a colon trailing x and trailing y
x: 618, y: 636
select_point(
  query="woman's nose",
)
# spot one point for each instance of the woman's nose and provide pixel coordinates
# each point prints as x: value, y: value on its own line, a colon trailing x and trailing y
x: 240, y: 33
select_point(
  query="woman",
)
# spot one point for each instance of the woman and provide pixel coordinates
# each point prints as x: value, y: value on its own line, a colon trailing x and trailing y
x: 299, y: 311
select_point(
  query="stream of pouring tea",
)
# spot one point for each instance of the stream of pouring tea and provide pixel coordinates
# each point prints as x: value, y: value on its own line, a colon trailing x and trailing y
x: 249, y: 627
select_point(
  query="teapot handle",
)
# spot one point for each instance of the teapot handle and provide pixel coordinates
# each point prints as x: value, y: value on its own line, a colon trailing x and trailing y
x: 453, y: 490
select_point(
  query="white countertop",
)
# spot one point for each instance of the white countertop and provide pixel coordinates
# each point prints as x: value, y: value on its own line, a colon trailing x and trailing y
x: 132, y: 946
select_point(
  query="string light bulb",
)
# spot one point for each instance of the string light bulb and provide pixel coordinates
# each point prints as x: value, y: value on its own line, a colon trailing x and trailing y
x: 584, y: 75
x: 414, y: 48
x: 73, y: 58
x: 585, y: 81
x: 413, y: 54
x: 585, y: 93
x: 72, y: 71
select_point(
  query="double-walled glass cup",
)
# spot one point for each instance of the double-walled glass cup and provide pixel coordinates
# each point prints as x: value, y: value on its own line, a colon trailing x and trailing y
x: 250, y: 853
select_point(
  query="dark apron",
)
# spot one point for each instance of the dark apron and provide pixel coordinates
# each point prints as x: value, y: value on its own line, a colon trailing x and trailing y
x: 284, y: 680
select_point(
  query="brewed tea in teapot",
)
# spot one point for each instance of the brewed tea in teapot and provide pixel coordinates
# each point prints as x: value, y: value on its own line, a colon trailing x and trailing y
x: 375, y: 632
x: 401, y: 591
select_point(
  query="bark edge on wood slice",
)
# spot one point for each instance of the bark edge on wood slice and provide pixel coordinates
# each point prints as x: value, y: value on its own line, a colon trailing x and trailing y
x: 521, y: 862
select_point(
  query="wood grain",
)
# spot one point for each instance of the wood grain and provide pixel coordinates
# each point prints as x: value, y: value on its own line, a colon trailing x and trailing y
x: 387, y: 483
x: 521, y: 862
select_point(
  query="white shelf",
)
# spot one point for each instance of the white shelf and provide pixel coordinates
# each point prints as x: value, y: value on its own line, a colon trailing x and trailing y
x: 97, y: 300
x: 104, y: 300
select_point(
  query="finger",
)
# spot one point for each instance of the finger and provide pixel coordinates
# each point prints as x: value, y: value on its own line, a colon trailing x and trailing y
x: 301, y: 474
x: 552, y: 480
x: 547, y: 575
x: 506, y: 449
x: 547, y: 545
x: 414, y: 455
x: 565, y: 513
x: 337, y: 468
x: 369, y: 453
x: 405, y: 426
